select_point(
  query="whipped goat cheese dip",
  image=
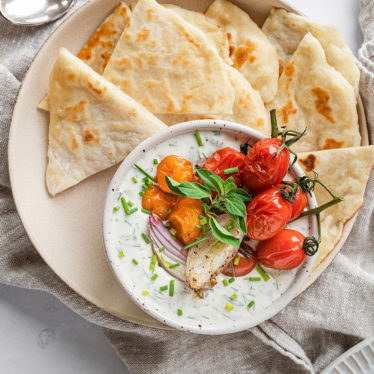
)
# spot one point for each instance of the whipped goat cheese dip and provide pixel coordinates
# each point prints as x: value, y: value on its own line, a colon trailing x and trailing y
x: 130, y: 254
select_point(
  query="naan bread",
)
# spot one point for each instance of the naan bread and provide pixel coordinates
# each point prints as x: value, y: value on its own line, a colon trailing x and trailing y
x: 211, y: 29
x: 169, y: 65
x: 249, y: 109
x: 251, y: 51
x: 286, y: 30
x: 314, y: 95
x: 93, y: 124
x: 345, y: 171
x: 98, y: 49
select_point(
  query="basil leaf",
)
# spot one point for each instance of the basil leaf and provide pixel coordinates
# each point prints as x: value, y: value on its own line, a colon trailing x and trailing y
x: 235, y: 205
x: 206, y: 177
x: 240, y: 223
x: 230, y: 185
x: 244, y: 195
x: 173, y: 186
x: 222, y: 234
x: 194, y: 190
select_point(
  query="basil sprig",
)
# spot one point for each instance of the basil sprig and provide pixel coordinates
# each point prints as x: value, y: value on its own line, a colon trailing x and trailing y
x: 217, y: 196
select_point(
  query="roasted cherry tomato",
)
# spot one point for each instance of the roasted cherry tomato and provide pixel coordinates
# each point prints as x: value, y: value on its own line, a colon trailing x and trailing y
x: 226, y: 158
x: 158, y: 202
x: 283, y: 251
x: 177, y: 168
x: 260, y: 172
x: 184, y: 217
x: 300, y: 201
x: 244, y: 267
x: 267, y: 214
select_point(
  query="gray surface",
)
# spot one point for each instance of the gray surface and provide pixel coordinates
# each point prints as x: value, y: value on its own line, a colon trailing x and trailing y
x: 40, y: 335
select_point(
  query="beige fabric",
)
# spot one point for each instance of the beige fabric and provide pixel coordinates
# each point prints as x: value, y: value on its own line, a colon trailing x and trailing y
x: 286, y: 30
x: 248, y: 107
x: 211, y: 28
x: 313, y: 95
x: 98, y: 49
x: 93, y: 124
x: 169, y: 65
x: 346, y: 172
x: 251, y: 51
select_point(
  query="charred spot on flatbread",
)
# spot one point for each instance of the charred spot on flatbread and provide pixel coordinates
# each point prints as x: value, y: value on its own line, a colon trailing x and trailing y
x: 309, y: 162
x: 332, y: 143
x: 322, y: 103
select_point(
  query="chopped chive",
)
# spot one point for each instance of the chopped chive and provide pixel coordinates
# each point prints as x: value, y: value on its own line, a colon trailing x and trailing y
x: 116, y: 209
x: 197, y: 241
x: 134, y: 180
x: 173, y: 231
x: 180, y: 312
x: 124, y: 204
x: 167, y: 224
x: 197, y: 227
x: 164, y: 288
x: 254, y: 279
x: 201, y: 217
x: 121, y: 254
x: 174, y: 266
x: 145, y: 293
x: 132, y: 211
x: 161, y: 249
x: 203, y: 221
x: 141, y: 193
x: 153, y: 263
x: 154, y: 277
x: 236, y: 260
x: 263, y: 273
x: 155, y: 161
x: 229, y: 227
x: 135, y: 262
x: 250, y: 305
x: 225, y: 282
x: 205, y: 229
x: 145, y: 173
x: 168, y: 210
x: 229, y: 306
x: 231, y: 280
x: 144, y: 187
x: 234, y: 296
x: 171, y: 288
x: 130, y: 203
x: 231, y: 170
x: 145, y: 179
x: 198, y: 138
x: 149, y: 184
x: 146, y: 211
x: 145, y: 237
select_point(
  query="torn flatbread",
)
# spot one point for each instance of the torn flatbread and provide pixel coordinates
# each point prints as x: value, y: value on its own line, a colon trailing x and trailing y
x: 93, y: 124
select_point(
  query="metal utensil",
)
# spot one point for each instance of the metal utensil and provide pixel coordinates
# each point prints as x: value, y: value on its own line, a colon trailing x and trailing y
x: 34, y: 12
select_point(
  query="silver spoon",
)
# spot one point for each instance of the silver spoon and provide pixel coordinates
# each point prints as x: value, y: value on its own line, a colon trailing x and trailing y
x: 34, y: 12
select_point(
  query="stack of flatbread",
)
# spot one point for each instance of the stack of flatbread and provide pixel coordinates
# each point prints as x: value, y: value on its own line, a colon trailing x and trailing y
x: 156, y: 65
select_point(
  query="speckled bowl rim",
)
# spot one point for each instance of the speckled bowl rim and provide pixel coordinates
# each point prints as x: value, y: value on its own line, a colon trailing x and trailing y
x: 110, y: 250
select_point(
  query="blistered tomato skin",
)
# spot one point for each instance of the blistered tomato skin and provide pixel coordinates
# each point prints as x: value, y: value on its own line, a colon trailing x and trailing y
x: 267, y: 214
x: 283, y: 251
x: 259, y: 171
x: 158, y: 202
x: 184, y: 217
x: 300, y: 201
x: 175, y: 167
x: 243, y: 268
x: 226, y: 158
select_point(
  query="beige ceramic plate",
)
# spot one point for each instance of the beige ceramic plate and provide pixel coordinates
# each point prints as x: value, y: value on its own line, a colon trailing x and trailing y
x: 66, y: 230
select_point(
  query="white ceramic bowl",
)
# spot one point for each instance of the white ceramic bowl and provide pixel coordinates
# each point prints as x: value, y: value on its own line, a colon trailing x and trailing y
x: 199, y: 318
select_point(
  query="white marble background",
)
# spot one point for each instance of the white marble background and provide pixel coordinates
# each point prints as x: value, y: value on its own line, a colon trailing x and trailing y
x: 38, y: 334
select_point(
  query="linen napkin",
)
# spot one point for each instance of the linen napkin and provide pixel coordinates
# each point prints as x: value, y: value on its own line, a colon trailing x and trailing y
x: 335, y: 313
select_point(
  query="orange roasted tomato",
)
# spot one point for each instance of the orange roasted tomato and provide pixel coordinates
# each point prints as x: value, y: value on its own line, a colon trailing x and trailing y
x: 260, y: 170
x: 158, y: 202
x: 267, y: 214
x: 226, y: 158
x: 184, y: 217
x: 283, y: 251
x: 177, y: 168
